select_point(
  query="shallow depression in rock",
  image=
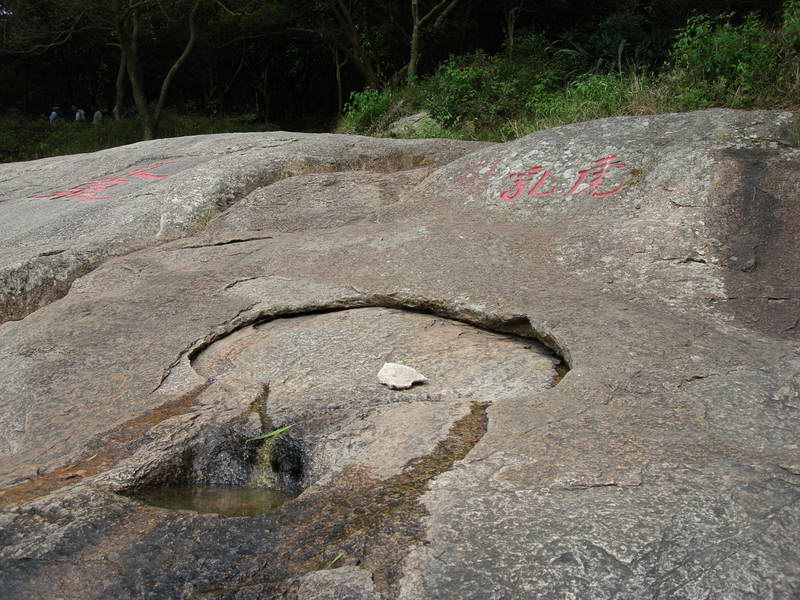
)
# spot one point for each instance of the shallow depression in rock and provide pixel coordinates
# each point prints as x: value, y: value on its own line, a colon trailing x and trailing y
x: 315, y: 378
x: 332, y: 358
x: 228, y: 501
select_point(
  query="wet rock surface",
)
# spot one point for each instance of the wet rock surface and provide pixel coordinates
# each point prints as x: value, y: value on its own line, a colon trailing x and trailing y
x: 657, y: 255
x: 318, y: 373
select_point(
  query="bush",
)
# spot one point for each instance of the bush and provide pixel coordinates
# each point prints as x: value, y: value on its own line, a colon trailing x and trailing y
x: 366, y: 111
x: 714, y: 61
x: 790, y: 29
x: 458, y: 91
x: 588, y: 97
x: 718, y: 62
x: 482, y: 89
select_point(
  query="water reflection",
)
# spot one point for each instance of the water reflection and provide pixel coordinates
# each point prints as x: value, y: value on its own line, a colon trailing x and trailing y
x: 227, y: 501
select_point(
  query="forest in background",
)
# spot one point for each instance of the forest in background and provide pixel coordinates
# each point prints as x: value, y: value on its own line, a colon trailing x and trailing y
x: 481, y: 70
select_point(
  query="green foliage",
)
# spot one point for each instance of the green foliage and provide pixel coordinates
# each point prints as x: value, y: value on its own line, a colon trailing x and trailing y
x: 606, y: 65
x: 17, y: 133
x: 718, y: 62
x: 26, y: 139
x: 790, y: 29
x: 366, y: 110
x: 479, y: 88
x: 595, y: 94
x: 461, y: 90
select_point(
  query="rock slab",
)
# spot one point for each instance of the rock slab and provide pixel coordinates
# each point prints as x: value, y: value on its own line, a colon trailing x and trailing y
x: 657, y: 256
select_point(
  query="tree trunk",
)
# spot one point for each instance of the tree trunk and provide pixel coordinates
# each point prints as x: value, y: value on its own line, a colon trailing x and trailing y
x: 353, y: 47
x: 413, y: 58
x: 265, y: 92
x: 232, y: 80
x: 511, y: 23
x: 119, y: 98
x: 128, y: 42
x: 443, y: 9
x: 339, y: 91
x: 187, y: 50
x: 128, y: 38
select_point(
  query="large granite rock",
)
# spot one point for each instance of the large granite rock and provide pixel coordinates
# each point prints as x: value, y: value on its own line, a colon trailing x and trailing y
x: 657, y: 255
x: 65, y: 215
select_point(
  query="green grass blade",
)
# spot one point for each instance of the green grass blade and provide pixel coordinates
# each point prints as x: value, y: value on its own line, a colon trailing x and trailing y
x: 271, y: 434
x: 337, y: 557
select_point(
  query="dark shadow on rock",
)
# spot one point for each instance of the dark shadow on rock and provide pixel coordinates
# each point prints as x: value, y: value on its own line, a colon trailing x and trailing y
x: 756, y: 216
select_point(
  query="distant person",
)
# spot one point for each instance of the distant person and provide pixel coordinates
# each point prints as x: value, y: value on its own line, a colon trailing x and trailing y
x: 98, y: 116
x: 54, y: 115
x: 80, y: 114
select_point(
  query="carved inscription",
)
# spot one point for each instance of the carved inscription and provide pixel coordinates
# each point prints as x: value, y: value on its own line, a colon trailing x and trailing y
x: 89, y: 192
x: 591, y: 181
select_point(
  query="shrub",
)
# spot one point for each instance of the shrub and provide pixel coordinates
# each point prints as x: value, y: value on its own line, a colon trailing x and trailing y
x: 588, y: 97
x: 790, y: 29
x: 718, y: 62
x: 366, y: 110
x: 482, y: 89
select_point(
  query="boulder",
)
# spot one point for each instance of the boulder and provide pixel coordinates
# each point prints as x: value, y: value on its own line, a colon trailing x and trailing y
x: 411, y: 125
x: 607, y: 313
x: 65, y: 215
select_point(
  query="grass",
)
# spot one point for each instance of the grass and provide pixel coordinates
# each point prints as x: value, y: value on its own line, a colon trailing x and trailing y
x: 272, y: 434
x: 27, y: 139
x: 334, y: 560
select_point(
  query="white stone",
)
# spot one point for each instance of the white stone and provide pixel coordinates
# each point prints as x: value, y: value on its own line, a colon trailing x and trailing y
x: 399, y: 377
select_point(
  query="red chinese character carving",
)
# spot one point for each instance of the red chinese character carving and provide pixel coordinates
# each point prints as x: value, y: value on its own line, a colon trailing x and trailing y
x: 88, y: 191
x: 141, y: 174
x: 598, y: 174
x: 523, y: 179
x: 473, y: 179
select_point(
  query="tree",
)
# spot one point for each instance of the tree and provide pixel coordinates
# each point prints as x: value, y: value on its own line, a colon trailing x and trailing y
x: 128, y: 16
x: 440, y: 11
x: 33, y: 27
x: 342, y: 25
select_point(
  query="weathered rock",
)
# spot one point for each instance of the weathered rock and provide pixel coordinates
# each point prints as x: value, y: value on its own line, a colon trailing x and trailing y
x: 319, y: 371
x: 329, y: 200
x: 663, y: 465
x: 399, y: 377
x: 415, y: 124
x: 144, y: 194
x: 347, y: 583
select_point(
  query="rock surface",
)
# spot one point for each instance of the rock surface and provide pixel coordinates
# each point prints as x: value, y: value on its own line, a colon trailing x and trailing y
x: 65, y: 215
x: 657, y: 255
x: 413, y: 124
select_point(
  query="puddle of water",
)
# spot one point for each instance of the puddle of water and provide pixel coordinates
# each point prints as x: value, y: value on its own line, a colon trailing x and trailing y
x: 228, y: 501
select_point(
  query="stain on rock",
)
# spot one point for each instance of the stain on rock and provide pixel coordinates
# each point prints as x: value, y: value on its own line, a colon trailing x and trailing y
x: 755, y: 216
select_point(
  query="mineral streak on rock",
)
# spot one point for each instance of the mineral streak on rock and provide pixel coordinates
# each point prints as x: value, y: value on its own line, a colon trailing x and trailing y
x: 399, y: 377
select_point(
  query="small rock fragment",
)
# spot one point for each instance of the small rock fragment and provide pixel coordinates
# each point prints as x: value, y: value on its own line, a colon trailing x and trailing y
x: 399, y: 377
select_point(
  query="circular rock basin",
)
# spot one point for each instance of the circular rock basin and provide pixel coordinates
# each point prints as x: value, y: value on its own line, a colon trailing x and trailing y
x: 332, y: 359
x: 227, y: 501
x: 319, y: 373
